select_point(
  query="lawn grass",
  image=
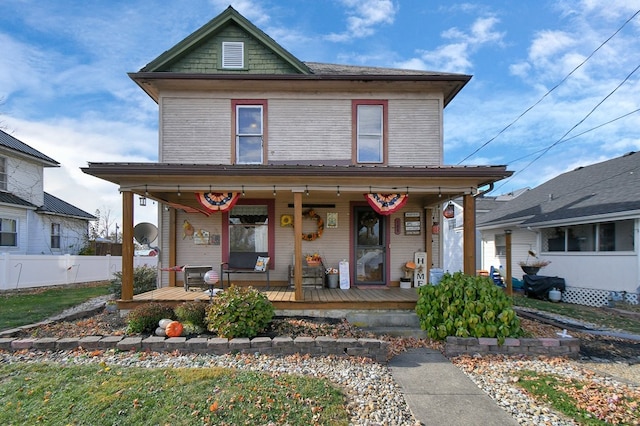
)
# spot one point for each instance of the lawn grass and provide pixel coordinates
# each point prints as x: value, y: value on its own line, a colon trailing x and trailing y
x: 28, y: 308
x: 603, y: 317
x: 100, y: 394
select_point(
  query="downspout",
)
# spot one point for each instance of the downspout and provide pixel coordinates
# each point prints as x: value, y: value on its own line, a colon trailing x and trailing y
x: 491, y: 185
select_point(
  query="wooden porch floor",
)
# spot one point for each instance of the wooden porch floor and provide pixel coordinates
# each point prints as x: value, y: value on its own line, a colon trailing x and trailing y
x: 388, y: 298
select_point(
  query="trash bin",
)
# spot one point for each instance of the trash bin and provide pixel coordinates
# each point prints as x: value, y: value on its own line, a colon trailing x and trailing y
x: 435, y: 275
x: 333, y: 280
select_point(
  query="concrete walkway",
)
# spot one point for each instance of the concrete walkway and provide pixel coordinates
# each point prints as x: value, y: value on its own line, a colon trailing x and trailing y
x: 439, y: 393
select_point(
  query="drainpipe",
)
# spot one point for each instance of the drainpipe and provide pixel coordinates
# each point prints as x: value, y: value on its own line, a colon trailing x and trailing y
x: 491, y: 185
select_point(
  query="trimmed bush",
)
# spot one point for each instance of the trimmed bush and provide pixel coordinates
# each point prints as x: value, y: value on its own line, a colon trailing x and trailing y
x: 144, y: 279
x: 145, y: 318
x: 239, y: 312
x: 466, y: 306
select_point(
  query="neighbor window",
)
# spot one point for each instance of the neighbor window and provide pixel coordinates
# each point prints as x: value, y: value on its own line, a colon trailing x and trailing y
x: 3, y: 174
x: 501, y: 245
x: 8, y: 232
x: 233, y: 54
x: 55, y: 235
x: 249, y: 133
x: 606, y: 236
x: 370, y: 129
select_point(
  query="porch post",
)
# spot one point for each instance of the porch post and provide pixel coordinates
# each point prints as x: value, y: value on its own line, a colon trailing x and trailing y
x: 469, y: 245
x: 127, y: 245
x: 428, y: 242
x: 507, y: 242
x: 297, y: 245
x: 172, y: 246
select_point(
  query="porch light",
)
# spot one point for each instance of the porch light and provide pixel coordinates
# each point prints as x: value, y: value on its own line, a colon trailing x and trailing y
x: 243, y: 190
x: 306, y: 190
x: 274, y: 190
x: 338, y: 193
x: 179, y: 194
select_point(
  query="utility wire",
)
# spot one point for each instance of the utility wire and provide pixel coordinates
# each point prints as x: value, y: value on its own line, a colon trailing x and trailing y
x: 575, y: 136
x: 549, y: 92
x: 547, y: 149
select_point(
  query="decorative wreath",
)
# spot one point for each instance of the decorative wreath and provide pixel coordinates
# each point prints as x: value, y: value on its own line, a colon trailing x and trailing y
x: 319, y: 222
x: 286, y: 220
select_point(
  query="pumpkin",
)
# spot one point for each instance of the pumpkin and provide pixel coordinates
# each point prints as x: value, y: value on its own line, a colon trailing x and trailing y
x: 174, y: 329
x: 163, y: 323
x: 160, y: 332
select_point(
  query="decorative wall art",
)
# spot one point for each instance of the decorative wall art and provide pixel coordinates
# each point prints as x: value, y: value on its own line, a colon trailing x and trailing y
x: 412, y: 223
x: 201, y: 237
x: 332, y: 220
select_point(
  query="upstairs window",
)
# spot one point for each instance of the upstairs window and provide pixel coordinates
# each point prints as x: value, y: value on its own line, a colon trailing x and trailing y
x: 55, y: 235
x: 8, y: 232
x: 3, y: 174
x: 249, y: 134
x: 370, y: 131
x: 233, y: 54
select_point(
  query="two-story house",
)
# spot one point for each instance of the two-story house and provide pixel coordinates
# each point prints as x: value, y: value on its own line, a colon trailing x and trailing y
x: 262, y: 153
x: 31, y: 220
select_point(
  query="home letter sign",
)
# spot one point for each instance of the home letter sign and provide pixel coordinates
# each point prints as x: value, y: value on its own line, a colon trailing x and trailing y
x: 420, y: 273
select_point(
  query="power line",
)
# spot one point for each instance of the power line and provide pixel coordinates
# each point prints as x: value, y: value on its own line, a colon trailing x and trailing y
x: 547, y: 149
x: 578, y: 135
x: 551, y: 90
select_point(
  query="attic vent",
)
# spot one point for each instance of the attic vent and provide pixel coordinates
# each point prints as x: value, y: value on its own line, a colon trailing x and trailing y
x: 232, y: 54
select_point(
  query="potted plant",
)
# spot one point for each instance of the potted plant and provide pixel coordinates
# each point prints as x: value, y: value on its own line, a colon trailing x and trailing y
x: 532, y: 267
x: 332, y: 277
x: 407, y: 268
x: 313, y: 259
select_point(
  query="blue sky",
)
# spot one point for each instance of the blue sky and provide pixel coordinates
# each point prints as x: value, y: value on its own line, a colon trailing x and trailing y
x: 65, y: 90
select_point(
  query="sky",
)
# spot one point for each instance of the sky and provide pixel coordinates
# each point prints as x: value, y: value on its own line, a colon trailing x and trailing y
x: 555, y: 84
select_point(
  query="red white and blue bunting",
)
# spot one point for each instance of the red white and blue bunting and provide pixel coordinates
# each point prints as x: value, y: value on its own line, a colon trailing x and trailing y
x: 385, y: 204
x: 217, y: 201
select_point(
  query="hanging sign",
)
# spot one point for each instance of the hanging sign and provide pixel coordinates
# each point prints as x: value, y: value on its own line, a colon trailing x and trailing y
x: 412, y: 223
x: 449, y: 212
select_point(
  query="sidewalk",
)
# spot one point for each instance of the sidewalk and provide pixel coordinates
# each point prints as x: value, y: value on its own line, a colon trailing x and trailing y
x: 438, y: 393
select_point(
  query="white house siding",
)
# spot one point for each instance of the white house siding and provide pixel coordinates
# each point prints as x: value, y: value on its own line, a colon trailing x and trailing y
x: 25, y: 180
x: 299, y: 127
x: 20, y: 215
x: 603, y: 271
x: 195, y: 130
x: 522, y: 242
x: 415, y: 137
x: 72, y: 234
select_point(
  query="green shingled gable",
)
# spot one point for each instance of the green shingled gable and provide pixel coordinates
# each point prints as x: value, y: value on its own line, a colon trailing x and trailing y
x: 200, y: 52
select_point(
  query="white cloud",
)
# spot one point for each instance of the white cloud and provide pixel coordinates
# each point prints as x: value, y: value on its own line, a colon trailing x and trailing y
x: 456, y: 55
x: 364, y: 17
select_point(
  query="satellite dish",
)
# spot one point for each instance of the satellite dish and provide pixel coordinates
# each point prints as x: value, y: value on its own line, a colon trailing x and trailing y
x: 145, y: 233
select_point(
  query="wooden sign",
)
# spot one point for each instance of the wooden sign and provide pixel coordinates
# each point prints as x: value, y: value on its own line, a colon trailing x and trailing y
x: 412, y: 223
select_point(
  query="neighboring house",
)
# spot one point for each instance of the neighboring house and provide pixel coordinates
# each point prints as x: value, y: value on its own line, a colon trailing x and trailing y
x: 585, y: 221
x: 31, y: 220
x: 452, y: 230
x: 261, y: 153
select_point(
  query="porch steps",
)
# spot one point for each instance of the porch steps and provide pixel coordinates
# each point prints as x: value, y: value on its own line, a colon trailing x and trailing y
x: 392, y: 323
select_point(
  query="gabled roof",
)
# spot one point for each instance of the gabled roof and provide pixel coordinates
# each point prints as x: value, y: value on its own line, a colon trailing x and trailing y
x: 9, y: 142
x: 56, y: 206
x: 604, y: 191
x: 230, y: 15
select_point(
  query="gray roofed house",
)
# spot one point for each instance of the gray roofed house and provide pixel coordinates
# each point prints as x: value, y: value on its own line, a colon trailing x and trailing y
x: 585, y: 221
x: 31, y: 220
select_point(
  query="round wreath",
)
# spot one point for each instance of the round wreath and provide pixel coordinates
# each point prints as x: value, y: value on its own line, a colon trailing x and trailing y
x: 319, y: 223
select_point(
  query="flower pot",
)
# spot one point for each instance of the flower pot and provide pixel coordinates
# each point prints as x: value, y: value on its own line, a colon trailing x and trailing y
x: 405, y: 282
x: 333, y: 280
x: 530, y: 270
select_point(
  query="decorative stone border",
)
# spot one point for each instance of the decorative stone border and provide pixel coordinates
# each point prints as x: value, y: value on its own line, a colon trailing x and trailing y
x: 319, y: 346
x: 569, y: 347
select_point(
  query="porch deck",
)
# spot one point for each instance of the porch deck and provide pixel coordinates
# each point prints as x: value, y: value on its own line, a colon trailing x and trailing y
x: 387, y: 298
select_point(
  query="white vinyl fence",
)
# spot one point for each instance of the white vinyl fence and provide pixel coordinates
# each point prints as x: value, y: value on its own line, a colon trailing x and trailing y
x: 28, y: 271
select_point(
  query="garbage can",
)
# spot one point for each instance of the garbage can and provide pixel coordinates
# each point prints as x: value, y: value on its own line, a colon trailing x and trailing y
x: 435, y: 275
x: 333, y: 280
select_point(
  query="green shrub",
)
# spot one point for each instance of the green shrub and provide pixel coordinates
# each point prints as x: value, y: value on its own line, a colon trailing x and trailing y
x: 192, y: 313
x: 145, y: 317
x: 239, y: 312
x: 466, y: 306
x: 144, y: 279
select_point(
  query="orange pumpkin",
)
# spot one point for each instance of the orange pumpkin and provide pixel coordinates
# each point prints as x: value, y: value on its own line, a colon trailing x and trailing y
x: 174, y: 329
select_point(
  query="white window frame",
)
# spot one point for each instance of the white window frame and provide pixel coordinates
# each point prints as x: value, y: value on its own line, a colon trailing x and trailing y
x: 55, y: 235
x: 367, y: 137
x: 6, y: 222
x: 3, y: 174
x: 249, y: 136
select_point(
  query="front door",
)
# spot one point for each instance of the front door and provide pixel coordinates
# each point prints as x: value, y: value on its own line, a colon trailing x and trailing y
x: 370, y: 247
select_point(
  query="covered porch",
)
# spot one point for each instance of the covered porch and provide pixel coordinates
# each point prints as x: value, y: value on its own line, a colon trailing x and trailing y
x: 284, y: 298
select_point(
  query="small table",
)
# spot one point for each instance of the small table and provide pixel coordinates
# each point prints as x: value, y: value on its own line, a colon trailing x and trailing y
x: 194, y: 276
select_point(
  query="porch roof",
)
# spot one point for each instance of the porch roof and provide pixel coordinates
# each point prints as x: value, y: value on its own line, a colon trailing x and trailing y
x: 163, y: 181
